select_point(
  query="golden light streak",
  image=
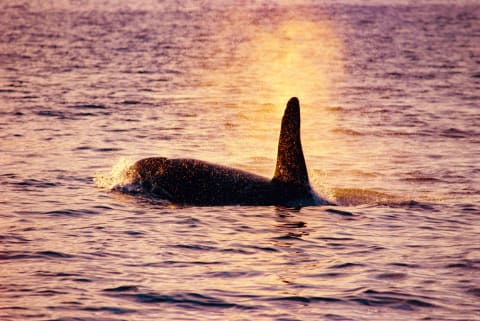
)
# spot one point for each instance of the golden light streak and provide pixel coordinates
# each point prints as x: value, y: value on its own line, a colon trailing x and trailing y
x: 292, y: 56
x: 295, y: 58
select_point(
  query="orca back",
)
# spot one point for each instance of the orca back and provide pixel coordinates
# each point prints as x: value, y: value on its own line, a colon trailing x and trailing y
x: 189, y: 181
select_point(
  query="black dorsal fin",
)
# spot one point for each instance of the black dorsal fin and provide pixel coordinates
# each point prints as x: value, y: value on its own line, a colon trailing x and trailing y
x: 291, y: 168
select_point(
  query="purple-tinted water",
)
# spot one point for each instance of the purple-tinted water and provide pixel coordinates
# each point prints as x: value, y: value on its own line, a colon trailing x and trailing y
x: 390, y: 118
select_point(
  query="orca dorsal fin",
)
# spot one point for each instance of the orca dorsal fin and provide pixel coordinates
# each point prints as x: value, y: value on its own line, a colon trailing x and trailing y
x: 291, y: 168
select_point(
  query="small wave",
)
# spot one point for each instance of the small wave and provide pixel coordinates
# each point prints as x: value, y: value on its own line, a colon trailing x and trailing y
x: 290, y: 236
x: 476, y: 75
x: 131, y: 102
x: 113, y: 310
x: 108, y: 149
x: 422, y: 179
x: 51, y: 113
x: 230, y: 274
x: 7, y: 90
x: 89, y: 106
x: 263, y: 248
x: 195, y: 247
x: 181, y: 299
x: 474, y: 291
x: 122, y: 288
x: 413, y: 205
x: 305, y: 299
x: 339, y: 212
x: 16, y: 255
x: 71, y: 212
x: 465, y: 264
x: 346, y: 265
x: 403, y: 264
x: 134, y: 233
x: 13, y: 239
x: 458, y: 133
x: 392, y: 299
x: 356, y: 196
x: 53, y: 274
x: 391, y: 276
x: 54, y: 254
x: 347, y: 132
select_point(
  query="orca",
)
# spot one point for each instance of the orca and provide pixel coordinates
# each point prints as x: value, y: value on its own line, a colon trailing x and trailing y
x: 198, y: 183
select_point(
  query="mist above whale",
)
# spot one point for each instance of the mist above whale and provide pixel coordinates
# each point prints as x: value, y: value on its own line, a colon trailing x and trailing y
x: 196, y: 182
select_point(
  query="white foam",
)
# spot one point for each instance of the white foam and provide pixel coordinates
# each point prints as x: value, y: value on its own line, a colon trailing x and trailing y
x: 120, y: 177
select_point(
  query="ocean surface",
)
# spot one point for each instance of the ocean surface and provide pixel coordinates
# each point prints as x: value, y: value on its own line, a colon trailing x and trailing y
x: 390, y: 98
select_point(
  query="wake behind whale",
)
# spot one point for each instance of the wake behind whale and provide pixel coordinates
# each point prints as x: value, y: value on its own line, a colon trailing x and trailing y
x: 195, y: 182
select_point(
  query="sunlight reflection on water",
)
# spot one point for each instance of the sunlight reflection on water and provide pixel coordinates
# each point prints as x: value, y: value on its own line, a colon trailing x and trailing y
x: 269, y: 64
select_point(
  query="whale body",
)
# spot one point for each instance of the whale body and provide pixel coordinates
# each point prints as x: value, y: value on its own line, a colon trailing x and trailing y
x: 195, y: 182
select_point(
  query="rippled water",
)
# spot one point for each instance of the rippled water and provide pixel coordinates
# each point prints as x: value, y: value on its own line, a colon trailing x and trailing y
x: 390, y: 111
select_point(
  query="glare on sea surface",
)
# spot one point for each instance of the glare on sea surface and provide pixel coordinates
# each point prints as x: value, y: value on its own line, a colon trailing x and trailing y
x: 291, y: 55
x: 294, y: 58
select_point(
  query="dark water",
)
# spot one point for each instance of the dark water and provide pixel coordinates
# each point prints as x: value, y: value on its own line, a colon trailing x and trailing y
x: 390, y: 107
